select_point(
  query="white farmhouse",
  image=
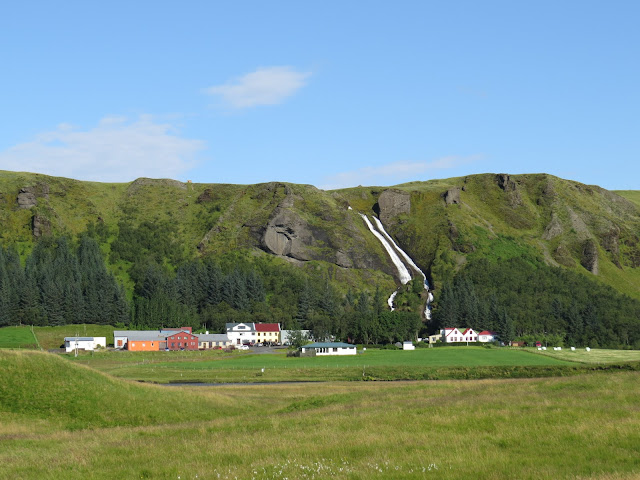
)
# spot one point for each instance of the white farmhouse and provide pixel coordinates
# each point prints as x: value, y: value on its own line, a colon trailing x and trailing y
x: 330, y: 348
x: 451, y: 335
x: 239, y: 333
x: 84, y: 343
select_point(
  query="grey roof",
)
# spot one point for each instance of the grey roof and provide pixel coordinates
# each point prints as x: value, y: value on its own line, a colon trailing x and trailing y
x: 80, y: 339
x: 212, y: 337
x: 329, y: 345
x: 231, y: 326
x: 144, y: 335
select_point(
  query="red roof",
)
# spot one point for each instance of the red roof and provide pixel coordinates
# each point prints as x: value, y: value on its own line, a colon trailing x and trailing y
x: 267, y: 327
x: 487, y: 332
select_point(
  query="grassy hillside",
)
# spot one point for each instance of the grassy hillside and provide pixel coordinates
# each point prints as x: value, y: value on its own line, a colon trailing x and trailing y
x: 631, y: 195
x: 444, y: 225
x: 48, y: 387
x: 456, y: 430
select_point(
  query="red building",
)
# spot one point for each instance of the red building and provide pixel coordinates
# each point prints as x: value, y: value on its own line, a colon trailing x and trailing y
x: 182, y: 340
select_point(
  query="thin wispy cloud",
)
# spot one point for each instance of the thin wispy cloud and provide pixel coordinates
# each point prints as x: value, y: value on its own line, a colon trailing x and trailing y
x: 393, y: 173
x: 116, y: 150
x: 265, y: 86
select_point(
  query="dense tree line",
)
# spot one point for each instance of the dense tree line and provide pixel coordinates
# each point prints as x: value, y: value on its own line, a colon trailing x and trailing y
x: 522, y: 298
x: 59, y: 284
x: 208, y: 293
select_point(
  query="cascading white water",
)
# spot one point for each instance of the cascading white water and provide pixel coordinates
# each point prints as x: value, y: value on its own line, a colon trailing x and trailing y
x: 406, y: 257
x: 403, y: 273
x: 386, y: 240
x: 390, y: 300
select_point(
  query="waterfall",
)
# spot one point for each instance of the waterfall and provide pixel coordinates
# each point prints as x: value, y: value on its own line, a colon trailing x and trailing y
x: 390, y: 300
x: 406, y: 257
x: 392, y: 247
x: 403, y: 273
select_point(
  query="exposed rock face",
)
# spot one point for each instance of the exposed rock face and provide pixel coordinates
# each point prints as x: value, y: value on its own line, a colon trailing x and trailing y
x: 28, y: 196
x: 505, y: 182
x: 553, y: 229
x: 393, y: 203
x: 610, y: 240
x: 40, y: 226
x: 452, y: 196
x: 589, y: 258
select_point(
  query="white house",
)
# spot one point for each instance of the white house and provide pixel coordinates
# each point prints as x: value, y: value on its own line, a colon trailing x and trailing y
x: 469, y: 335
x: 84, y: 343
x: 330, y: 348
x: 239, y: 333
x: 487, y: 336
x: 451, y: 335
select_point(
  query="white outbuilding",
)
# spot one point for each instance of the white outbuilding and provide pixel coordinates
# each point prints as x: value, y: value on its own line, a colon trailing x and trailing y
x: 84, y: 343
x: 330, y: 348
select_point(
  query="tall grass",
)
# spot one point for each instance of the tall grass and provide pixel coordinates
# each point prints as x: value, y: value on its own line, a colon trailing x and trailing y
x: 578, y: 427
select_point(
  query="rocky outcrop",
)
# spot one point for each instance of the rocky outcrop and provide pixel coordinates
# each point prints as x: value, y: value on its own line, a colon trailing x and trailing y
x: 553, y: 229
x: 28, y: 196
x: 505, y: 182
x: 393, y: 203
x: 40, y: 226
x: 589, y: 258
x: 452, y: 196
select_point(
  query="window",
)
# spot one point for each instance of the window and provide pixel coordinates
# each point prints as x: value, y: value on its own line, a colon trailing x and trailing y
x: 144, y: 344
x: 133, y: 344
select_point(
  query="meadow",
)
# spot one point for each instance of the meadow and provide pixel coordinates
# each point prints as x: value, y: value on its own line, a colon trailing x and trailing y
x: 17, y: 337
x: 59, y: 419
x: 420, y: 364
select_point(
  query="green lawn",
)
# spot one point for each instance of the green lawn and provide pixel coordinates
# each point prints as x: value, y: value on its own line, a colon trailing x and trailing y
x: 17, y: 337
x: 444, y: 362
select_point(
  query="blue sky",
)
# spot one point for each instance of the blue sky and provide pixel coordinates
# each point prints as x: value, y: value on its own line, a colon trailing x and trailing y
x: 333, y: 94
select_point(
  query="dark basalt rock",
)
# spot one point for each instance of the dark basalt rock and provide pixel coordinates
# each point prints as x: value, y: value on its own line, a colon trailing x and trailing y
x: 392, y: 203
x: 40, y: 226
x: 589, y: 258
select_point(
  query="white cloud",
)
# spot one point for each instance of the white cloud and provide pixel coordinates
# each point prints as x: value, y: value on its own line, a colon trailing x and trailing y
x: 265, y: 86
x: 117, y: 150
x: 392, y: 173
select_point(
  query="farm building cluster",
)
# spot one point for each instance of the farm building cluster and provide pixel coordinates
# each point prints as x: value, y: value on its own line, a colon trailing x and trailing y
x: 183, y: 338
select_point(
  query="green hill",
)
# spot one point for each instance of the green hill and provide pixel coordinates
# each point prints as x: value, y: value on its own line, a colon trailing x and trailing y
x: 312, y: 253
x: 47, y: 387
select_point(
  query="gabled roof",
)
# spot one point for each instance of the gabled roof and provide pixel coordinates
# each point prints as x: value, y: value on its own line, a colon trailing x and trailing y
x: 487, y: 332
x: 449, y: 331
x: 467, y: 329
x: 267, y: 327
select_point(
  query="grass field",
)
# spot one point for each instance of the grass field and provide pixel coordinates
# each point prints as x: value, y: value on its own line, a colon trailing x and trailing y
x: 53, y: 337
x: 420, y: 364
x: 593, y: 356
x: 17, y: 337
x: 62, y: 420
